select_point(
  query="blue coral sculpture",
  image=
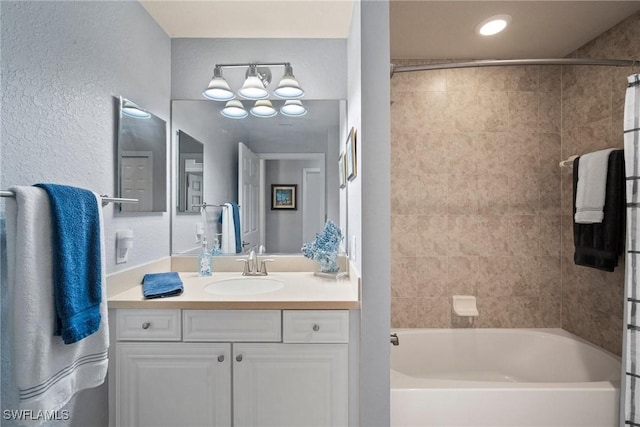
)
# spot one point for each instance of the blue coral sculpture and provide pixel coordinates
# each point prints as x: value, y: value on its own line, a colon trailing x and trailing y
x: 324, y: 249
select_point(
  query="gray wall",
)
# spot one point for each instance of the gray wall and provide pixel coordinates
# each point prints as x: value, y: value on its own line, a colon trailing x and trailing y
x: 284, y: 227
x: 369, y: 87
x: 62, y: 64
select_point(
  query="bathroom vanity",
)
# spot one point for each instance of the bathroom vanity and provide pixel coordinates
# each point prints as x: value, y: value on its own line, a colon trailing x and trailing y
x: 278, y: 358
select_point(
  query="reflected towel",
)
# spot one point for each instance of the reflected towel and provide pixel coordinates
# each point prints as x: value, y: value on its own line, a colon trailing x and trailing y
x: 161, y: 285
x: 231, y: 241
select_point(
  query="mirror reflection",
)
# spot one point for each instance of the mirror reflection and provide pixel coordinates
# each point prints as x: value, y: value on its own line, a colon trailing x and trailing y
x: 241, y: 161
x: 142, y: 158
x: 190, y: 167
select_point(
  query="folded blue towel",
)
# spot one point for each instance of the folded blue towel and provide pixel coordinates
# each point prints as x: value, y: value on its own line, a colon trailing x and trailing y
x: 77, y: 275
x: 161, y: 285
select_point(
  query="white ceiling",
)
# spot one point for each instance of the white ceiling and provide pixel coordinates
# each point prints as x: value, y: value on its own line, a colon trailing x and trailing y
x: 539, y: 29
x: 419, y: 28
x: 252, y: 18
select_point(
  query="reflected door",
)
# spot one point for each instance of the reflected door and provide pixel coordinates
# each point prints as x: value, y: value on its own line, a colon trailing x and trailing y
x: 249, y: 196
x: 194, y: 192
x: 137, y: 182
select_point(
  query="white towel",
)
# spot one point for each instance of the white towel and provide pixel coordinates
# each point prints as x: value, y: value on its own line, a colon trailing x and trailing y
x: 47, y: 372
x: 228, y: 245
x: 592, y: 185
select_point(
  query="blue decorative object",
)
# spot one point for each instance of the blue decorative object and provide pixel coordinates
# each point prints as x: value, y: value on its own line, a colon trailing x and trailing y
x: 325, y: 248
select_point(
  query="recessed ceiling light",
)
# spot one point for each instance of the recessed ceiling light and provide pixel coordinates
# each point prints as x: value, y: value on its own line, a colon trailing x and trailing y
x: 493, y: 25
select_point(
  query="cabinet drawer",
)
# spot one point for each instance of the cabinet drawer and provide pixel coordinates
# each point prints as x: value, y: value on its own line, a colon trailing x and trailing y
x: 148, y: 325
x: 232, y: 325
x: 315, y: 326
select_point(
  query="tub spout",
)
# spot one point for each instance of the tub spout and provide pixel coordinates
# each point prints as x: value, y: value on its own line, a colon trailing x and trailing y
x: 394, y: 339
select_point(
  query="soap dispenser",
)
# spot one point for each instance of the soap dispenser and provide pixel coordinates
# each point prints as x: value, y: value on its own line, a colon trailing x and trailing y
x: 204, y: 261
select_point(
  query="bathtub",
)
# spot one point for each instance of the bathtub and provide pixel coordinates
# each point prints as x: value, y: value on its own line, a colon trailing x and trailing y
x: 502, y: 378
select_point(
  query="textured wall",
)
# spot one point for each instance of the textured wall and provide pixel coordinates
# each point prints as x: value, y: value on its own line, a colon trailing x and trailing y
x: 475, y: 196
x: 592, y: 115
x: 62, y: 64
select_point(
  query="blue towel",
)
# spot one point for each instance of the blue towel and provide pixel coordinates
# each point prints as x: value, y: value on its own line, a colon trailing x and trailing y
x: 236, y: 224
x: 161, y: 285
x: 77, y: 261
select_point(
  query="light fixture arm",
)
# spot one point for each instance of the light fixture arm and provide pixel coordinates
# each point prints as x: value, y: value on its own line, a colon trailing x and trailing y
x: 257, y: 64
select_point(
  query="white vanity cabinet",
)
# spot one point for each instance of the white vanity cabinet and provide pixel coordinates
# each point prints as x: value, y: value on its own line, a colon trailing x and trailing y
x: 232, y: 368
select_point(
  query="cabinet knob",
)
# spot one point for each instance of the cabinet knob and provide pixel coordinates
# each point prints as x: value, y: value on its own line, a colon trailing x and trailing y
x: 221, y: 358
x: 239, y: 358
x: 146, y: 325
x: 316, y: 327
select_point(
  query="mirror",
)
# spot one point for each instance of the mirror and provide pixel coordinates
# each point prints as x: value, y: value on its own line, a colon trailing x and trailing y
x: 190, y: 168
x: 289, y: 151
x: 142, y: 159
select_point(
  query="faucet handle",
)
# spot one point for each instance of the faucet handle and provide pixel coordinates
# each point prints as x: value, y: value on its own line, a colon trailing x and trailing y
x: 263, y: 265
x: 245, y: 269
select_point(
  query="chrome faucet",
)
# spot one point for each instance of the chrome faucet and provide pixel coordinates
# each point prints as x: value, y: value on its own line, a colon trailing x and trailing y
x: 253, y: 266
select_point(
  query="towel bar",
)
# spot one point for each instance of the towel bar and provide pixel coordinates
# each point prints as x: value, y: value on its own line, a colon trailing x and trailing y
x: 105, y: 199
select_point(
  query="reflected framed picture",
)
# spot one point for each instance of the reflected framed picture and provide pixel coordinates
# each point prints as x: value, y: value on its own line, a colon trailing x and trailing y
x: 283, y: 196
x: 350, y: 152
x: 342, y: 172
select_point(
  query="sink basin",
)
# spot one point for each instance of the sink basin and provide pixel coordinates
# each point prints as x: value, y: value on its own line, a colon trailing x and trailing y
x: 244, y: 286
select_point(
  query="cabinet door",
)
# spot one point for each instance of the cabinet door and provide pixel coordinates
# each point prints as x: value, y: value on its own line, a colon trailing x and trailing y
x: 173, y: 384
x: 293, y: 385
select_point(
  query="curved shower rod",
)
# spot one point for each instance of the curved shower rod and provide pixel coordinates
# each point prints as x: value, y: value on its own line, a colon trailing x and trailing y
x: 508, y: 62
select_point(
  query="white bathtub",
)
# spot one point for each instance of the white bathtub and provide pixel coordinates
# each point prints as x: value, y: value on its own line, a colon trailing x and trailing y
x: 502, y: 378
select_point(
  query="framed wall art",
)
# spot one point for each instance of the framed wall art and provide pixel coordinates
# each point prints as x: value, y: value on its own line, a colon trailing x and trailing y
x: 283, y: 196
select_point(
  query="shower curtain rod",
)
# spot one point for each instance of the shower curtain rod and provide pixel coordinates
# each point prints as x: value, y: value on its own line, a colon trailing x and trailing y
x: 508, y: 62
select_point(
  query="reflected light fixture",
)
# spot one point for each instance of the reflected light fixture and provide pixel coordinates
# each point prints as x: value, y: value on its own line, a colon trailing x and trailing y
x: 263, y: 108
x: 234, y: 110
x: 131, y: 109
x: 257, y: 79
x: 493, y: 25
x: 293, y: 108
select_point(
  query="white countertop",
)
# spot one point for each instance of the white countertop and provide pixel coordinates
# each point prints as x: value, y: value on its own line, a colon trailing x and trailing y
x: 301, y: 290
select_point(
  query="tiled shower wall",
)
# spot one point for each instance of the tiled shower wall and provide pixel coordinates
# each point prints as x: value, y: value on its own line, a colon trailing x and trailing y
x: 592, y: 115
x: 476, y: 195
x: 479, y: 204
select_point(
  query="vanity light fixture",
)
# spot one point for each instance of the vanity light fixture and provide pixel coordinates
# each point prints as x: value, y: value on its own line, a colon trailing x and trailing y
x: 234, y: 110
x: 218, y: 89
x: 257, y: 78
x: 288, y: 88
x: 254, y: 86
x: 293, y: 108
x: 493, y: 25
